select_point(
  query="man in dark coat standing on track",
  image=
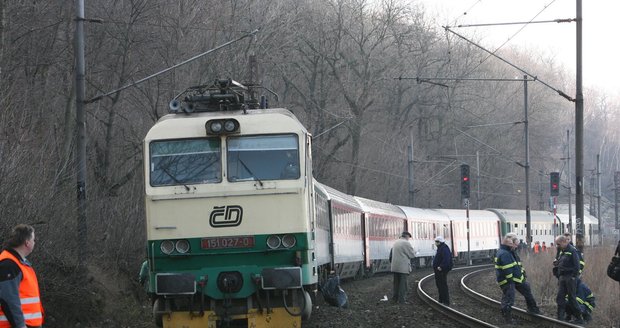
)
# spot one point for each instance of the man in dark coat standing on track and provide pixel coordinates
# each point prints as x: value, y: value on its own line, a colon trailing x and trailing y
x: 400, y: 258
x: 442, y: 264
x: 568, y: 271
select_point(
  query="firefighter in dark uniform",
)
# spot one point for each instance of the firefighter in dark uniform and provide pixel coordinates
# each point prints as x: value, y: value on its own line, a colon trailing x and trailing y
x: 568, y: 268
x: 511, y: 277
x: 582, y: 261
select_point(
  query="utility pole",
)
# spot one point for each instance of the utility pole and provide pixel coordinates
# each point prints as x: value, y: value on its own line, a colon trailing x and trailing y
x: 528, y: 214
x: 579, y: 132
x: 592, y: 210
x: 617, y: 194
x: 81, y: 132
x: 410, y: 170
x: 598, y: 199
x: 570, y: 195
x: 478, y: 178
x: 541, y: 202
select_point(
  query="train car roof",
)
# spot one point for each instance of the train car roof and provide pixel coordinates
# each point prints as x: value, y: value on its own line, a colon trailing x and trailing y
x: 414, y: 213
x: 511, y: 215
x: 338, y: 196
x: 587, y: 218
x: 375, y: 207
x: 254, y: 121
x: 474, y: 215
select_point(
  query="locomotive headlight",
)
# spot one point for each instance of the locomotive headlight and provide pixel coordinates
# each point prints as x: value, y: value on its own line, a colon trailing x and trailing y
x: 167, y: 247
x: 289, y: 241
x: 274, y: 242
x: 230, y: 126
x: 222, y: 126
x: 182, y: 246
x: 215, y: 127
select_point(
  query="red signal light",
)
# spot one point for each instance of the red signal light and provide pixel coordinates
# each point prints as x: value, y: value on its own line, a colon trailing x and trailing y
x: 465, y: 178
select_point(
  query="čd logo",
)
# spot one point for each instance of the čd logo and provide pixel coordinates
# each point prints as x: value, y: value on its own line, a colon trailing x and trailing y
x: 226, y: 216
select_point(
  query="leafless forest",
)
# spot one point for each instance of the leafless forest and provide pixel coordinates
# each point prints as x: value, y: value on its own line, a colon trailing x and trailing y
x: 332, y: 62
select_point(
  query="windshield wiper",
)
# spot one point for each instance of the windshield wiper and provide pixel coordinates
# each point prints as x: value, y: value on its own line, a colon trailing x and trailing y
x: 174, y: 178
x: 250, y: 171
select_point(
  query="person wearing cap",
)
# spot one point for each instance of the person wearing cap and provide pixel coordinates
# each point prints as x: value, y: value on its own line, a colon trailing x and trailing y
x: 511, y: 277
x: 442, y: 264
x: 400, y: 257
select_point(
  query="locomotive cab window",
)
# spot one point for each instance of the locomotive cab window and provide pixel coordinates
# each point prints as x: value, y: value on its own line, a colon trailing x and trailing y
x: 180, y: 162
x: 272, y: 157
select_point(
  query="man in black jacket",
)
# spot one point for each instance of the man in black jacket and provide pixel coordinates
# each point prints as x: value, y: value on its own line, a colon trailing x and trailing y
x: 442, y: 264
x: 568, y: 271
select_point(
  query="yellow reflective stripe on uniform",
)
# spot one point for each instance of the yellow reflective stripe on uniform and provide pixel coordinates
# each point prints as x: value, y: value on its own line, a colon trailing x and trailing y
x: 30, y: 300
x: 568, y: 253
x: 519, y: 280
x: 584, y: 303
x: 507, y: 266
x: 503, y: 282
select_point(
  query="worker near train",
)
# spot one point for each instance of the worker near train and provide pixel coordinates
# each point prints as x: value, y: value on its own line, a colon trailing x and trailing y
x: 400, y: 257
x: 442, y: 264
x: 586, y: 300
x: 511, y: 276
x: 20, y: 302
x: 567, y: 273
x: 613, y: 268
x: 582, y: 261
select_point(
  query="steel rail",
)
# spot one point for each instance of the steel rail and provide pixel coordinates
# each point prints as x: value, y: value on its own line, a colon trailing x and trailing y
x: 536, y: 319
x: 462, y: 318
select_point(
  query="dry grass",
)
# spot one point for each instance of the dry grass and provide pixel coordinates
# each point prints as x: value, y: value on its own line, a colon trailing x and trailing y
x: 606, y: 290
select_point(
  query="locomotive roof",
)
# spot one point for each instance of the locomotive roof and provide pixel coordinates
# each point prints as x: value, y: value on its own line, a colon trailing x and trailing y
x: 375, y: 207
x: 338, y: 196
x: 255, y: 121
x: 414, y: 213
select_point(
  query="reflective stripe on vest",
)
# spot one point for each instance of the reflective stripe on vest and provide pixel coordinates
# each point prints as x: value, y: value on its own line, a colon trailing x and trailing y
x: 29, y: 294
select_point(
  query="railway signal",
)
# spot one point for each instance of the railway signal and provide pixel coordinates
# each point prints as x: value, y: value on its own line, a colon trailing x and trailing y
x: 465, y: 189
x: 554, y: 183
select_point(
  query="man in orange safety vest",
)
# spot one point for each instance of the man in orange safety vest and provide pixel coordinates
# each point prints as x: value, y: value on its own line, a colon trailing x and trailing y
x: 20, y: 302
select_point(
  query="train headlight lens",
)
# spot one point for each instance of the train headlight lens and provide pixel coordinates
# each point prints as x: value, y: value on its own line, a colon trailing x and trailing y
x: 182, y: 246
x: 222, y: 126
x: 274, y: 242
x: 230, y: 126
x: 288, y: 241
x: 167, y: 247
x: 216, y: 127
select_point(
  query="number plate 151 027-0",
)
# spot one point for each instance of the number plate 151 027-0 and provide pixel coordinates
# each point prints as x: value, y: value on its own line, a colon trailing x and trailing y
x: 227, y: 242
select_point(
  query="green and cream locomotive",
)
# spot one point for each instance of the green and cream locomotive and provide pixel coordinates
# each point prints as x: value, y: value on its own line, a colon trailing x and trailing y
x: 229, y: 208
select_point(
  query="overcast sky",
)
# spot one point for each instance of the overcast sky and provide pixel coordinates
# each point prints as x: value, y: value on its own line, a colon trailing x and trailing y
x: 600, y: 31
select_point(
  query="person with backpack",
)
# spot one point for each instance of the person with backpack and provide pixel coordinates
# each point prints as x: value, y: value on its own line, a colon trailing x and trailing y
x: 442, y: 264
x: 613, y: 269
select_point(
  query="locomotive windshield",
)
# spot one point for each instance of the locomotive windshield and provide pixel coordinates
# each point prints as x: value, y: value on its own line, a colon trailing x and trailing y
x: 180, y: 162
x: 272, y: 157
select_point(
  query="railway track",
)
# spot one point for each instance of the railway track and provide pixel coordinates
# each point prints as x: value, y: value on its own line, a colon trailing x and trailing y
x: 473, y: 309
